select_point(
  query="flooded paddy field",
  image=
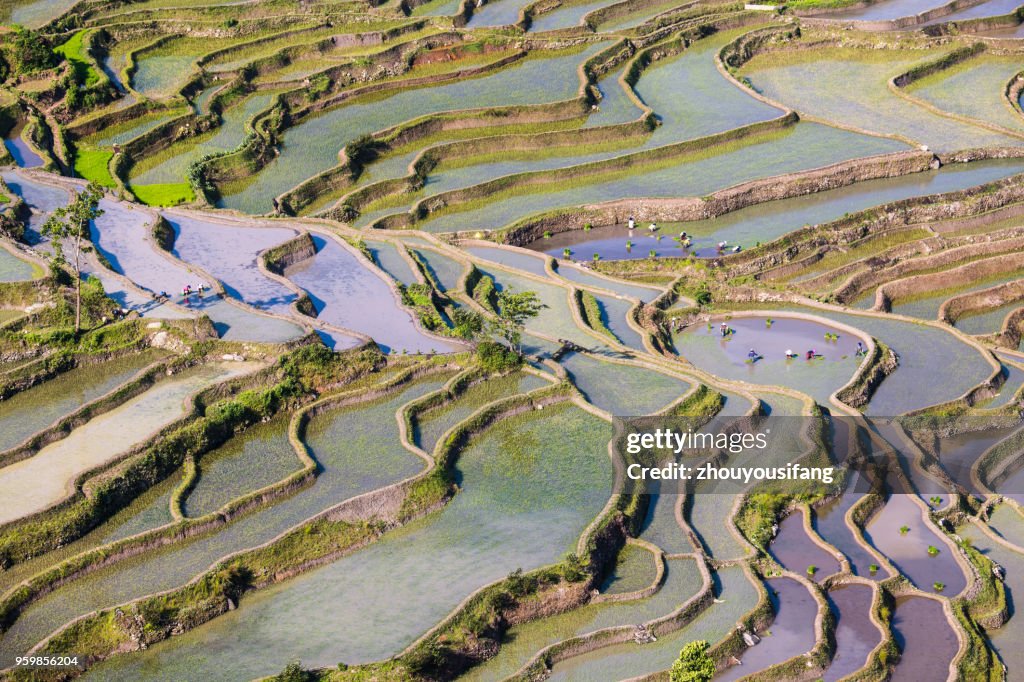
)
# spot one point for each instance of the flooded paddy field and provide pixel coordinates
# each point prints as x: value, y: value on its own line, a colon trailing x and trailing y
x: 24, y: 414
x: 320, y: 326
x: 505, y: 534
x: 856, y: 635
x: 750, y: 226
x: 816, y: 365
x: 899, y: 532
x: 927, y: 643
x: 681, y: 582
x: 340, y: 286
x: 794, y: 549
x: 874, y: 107
x: 735, y: 595
x: 694, y: 176
x: 47, y: 477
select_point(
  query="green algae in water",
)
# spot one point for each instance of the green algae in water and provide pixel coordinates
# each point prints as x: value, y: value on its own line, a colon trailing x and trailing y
x: 260, y: 456
x: 661, y: 527
x: 33, y: 410
x: 805, y: 80
x: 433, y: 424
x: 529, y: 487
x: 14, y: 269
x: 635, y: 569
x: 627, y: 660
x: 34, y: 484
x: 974, y: 88
x: 358, y: 451
x: 623, y: 390
x: 522, y: 642
x: 149, y: 510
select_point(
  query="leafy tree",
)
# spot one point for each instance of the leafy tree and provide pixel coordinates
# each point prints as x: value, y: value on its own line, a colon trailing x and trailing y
x: 68, y: 229
x: 467, y: 324
x: 514, y: 309
x: 31, y: 51
x: 694, y: 664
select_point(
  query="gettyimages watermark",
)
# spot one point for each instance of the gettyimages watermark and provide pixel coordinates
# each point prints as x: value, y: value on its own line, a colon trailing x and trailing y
x: 811, y: 455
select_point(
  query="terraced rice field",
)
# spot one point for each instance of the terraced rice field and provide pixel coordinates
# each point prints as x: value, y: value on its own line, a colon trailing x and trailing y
x: 511, y: 340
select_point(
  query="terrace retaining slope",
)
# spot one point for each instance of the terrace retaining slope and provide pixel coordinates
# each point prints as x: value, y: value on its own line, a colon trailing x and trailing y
x: 283, y: 256
x: 887, y: 277
x: 956, y: 307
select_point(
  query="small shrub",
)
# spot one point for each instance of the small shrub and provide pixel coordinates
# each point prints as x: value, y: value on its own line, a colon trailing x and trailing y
x: 293, y: 672
x: 494, y: 357
x: 694, y: 664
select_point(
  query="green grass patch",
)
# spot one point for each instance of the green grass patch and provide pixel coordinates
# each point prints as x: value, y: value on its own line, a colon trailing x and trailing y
x: 74, y: 51
x: 167, y: 194
x: 93, y: 165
